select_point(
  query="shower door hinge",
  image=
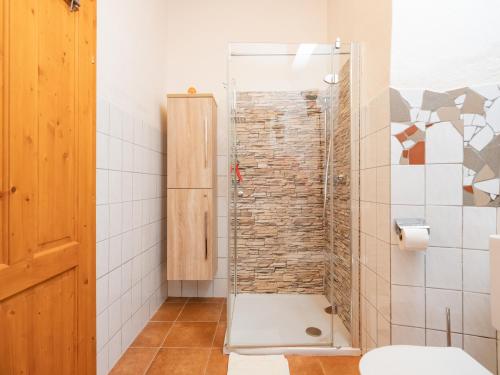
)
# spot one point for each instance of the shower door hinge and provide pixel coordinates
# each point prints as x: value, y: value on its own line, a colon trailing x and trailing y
x: 74, y: 5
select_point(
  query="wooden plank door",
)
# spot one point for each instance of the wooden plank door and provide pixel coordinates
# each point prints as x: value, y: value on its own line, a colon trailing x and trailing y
x: 190, y: 146
x: 47, y: 197
x: 190, y: 239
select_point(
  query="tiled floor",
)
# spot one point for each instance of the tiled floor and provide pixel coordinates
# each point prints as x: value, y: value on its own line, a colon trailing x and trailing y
x: 186, y: 335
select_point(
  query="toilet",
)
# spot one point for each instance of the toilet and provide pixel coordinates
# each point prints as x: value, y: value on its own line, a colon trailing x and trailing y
x: 427, y: 360
x: 419, y: 360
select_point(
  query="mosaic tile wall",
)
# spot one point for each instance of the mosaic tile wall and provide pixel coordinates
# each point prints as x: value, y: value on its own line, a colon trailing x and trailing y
x: 457, y: 126
x: 445, y: 168
x: 281, y: 237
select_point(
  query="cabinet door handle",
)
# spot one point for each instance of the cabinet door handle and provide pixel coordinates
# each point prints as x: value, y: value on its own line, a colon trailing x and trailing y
x: 206, y: 235
x: 206, y: 142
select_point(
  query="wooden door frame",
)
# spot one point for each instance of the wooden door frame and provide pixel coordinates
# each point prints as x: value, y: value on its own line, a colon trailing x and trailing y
x: 86, y: 231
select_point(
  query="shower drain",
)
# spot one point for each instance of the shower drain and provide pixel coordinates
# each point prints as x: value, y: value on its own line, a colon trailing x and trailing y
x: 313, y: 331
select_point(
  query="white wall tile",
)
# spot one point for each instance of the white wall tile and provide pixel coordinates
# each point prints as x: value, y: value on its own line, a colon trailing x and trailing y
x: 102, y: 186
x: 127, y: 127
x: 443, y: 184
x: 383, y: 297
x: 189, y: 289
x: 102, y: 112
x: 115, y: 317
x: 102, y: 293
x: 407, y: 184
x: 115, y: 186
x: 115, y: 252
x: 407, y: 267
x: 437, y: 300
x: 479, y: 224
x: 102, y: 151
x: 444, y: 268
x: 446, y: 225
x: 115, y: 121
x: 102, y: 258
x: 127, y: 156
x: 115, y: 349
x: 403, y: 335
x: 205, y: 288
x: 383, y: 331
x: 127, y: 184
x: 220, y: 288
x: 371, y: 287
x: 102, y: 361
x: 371, y: 321
x: 477, y: 315
x: 115, y: 284
x: 476, y: 271
x: 126, y: 307
x: 443, y: 144
x: 174, y: 288
x: 102, y: 222
x: 115, y: 154
x: 483, y: 350
x: 383, y: 260
x: 408, y: 305
x: 102, y: 329
x: 368, y: 184
x: 439, y: 338
x: 115, y: 219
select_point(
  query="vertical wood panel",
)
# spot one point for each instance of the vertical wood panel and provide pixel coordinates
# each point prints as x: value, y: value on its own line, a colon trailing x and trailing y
x: 56, y: 120
x: 23, y: 109
x: 186, y: 209
x: 39, y: 329
x: 186, y: 143
x: 3, y: 136
x: 86, y: 166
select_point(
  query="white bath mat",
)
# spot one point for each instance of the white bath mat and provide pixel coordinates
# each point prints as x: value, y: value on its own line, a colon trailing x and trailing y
x: 257, y: 365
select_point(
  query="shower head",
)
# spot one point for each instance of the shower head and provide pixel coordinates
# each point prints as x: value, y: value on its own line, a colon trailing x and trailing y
x: 331, y: 79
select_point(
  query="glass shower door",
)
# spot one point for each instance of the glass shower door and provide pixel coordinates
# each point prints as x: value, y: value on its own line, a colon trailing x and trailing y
x: 282, y: 110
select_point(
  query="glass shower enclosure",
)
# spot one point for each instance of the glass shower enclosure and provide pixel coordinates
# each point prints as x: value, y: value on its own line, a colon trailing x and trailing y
x: 293, y: 198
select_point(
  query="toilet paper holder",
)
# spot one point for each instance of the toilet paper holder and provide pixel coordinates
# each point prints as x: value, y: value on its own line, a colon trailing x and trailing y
x: 410, y: 223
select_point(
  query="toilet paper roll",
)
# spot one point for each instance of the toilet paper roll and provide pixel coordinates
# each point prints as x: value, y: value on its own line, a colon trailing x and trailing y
x: 414, y: 239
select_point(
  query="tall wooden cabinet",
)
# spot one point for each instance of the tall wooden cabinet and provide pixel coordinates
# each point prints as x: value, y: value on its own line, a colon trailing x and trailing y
x: 191, y: 183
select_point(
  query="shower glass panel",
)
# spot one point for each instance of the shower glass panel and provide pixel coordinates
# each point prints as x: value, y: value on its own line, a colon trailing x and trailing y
x: 290, y: 196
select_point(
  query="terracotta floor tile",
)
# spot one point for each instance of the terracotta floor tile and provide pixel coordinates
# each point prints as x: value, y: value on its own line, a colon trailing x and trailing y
x: 223, y: 315
x: 220, y: 334
x: 220, y: 300
x: 305, y: 365
x: 134, y: 361
x: 200, y: 312
x: 152, y: 335
x: 180, y: 362
x: 340, y: 365
x: 191, y: 334
x: 168, y: 312
x: 217, y: 364
x: 177, y: 299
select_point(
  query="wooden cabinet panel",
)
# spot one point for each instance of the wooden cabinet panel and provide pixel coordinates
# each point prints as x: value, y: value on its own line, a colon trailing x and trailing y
x: 191, y: 228
x: 191, y: 137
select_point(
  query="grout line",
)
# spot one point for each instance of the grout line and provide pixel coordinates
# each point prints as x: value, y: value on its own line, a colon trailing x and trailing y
x: 151, y: 362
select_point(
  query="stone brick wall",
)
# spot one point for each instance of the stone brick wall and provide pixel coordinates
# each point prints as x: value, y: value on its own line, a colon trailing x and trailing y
x: 340, y: 254
x: 281, y: 237
x: 284, y: 243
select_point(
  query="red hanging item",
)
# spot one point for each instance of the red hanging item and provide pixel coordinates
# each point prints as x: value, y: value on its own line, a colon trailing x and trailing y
x: 238, y: 172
